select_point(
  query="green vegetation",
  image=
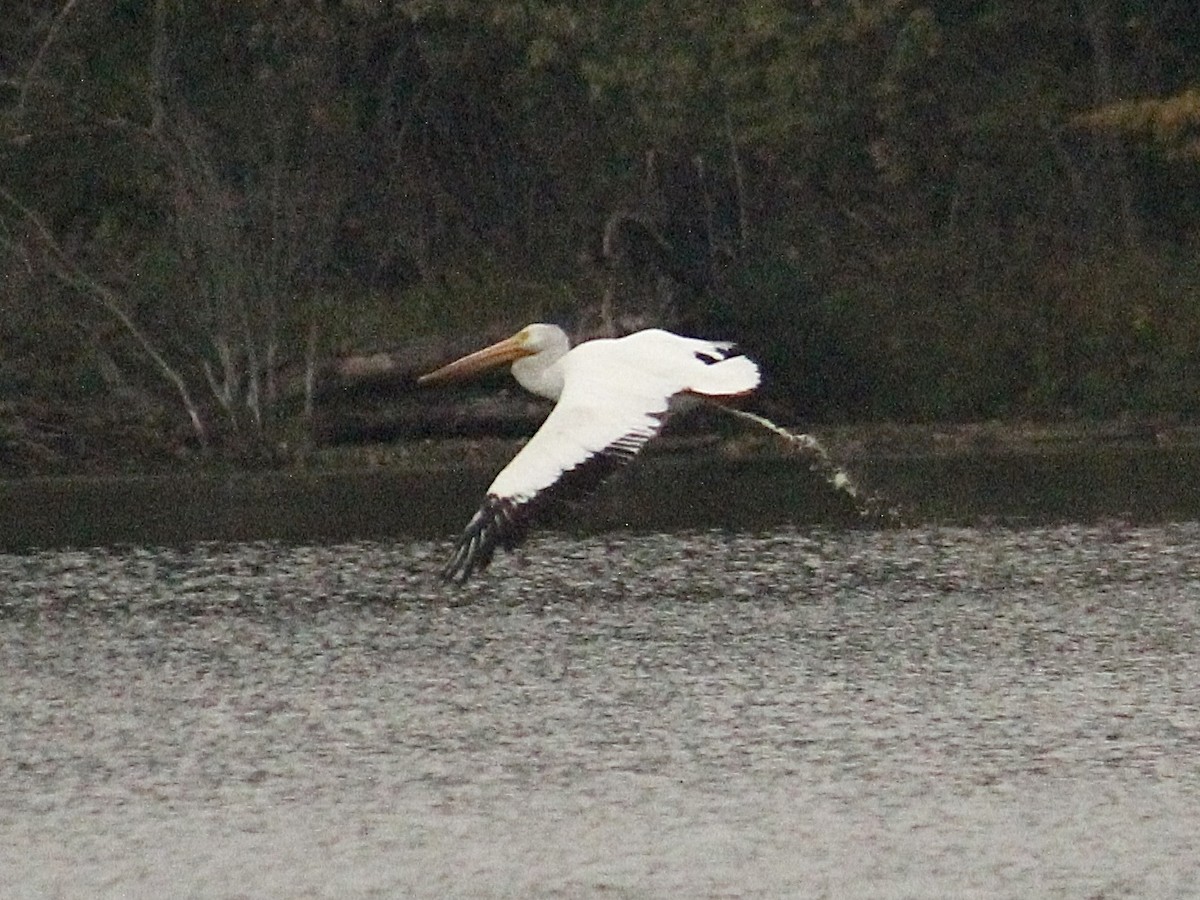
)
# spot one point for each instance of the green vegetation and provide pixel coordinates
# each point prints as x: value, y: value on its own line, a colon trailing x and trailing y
x: 911, y: 211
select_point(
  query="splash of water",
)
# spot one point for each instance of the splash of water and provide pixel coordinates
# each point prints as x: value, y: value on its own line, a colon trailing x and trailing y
x: 869, y: 505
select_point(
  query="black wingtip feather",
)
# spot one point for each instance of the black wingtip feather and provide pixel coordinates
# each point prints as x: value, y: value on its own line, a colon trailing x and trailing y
x: 503, y: 522
x: 723, y: 350
x: 495, y: 524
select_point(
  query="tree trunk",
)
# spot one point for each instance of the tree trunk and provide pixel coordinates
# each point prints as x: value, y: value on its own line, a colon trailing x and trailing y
x: 1098, y: 20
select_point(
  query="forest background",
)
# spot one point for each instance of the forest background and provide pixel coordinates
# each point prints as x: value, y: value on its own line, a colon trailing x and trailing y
x: 213, y: 215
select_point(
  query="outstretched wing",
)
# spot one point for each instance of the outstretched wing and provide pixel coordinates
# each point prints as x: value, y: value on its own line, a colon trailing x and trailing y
x: 576, y: 448
x: 616, y: 396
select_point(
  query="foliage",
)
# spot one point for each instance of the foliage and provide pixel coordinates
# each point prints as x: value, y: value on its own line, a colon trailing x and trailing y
x: 1170, y: 123
x: 909, y: 209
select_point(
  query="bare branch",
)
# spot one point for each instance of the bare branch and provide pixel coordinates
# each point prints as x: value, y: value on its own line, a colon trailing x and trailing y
x: 68, y: 273
x: 51, y: 35
x: 158, y: 68
x: 739, y: 180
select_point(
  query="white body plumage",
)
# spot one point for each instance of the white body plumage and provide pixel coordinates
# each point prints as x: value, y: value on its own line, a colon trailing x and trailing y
x: 612, y: 396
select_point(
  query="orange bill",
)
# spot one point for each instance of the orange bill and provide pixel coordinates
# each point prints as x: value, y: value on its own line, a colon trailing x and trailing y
x: 497, y: 354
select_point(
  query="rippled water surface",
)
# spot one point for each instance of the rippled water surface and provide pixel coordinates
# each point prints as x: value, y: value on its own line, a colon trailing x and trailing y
x: 922, y: 712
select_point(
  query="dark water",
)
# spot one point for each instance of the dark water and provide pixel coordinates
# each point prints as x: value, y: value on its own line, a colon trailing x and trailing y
x: 921, y: 712
x: 661, y: 492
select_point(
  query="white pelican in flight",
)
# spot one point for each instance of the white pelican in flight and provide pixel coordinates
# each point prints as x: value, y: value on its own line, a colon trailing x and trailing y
x: 613, y: 396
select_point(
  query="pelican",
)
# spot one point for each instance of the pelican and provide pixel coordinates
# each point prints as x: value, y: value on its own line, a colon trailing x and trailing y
x: 613, y: 395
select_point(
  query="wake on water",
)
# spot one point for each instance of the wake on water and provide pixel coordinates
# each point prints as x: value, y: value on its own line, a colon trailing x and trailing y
x: 870, y: 506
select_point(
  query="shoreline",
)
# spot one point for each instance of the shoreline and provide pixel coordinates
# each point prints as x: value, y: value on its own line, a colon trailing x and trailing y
x: 848, y: 444
x: 716, y: 436
x: 907, y: 475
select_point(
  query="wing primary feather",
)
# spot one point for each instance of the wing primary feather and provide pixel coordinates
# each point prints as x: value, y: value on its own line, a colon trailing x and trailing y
x: 719, y: 352
x: 504, y: 521
x: 495, y: 524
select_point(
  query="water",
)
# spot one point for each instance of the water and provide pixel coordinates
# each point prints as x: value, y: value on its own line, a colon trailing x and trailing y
x: 921, y: 712
x: 661, y: 491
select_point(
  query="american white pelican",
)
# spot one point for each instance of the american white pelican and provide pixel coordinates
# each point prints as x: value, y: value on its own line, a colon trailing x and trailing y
x: 613, y: 396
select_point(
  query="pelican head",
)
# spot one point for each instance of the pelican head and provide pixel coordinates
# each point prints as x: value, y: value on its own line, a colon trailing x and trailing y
x: 548, y: 343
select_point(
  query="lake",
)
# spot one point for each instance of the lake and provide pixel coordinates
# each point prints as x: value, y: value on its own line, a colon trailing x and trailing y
x: 661, y: 491
x: 757, y: 710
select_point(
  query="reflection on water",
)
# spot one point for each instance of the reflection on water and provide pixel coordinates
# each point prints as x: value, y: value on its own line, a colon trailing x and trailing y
x: 658, y: 493
x: 922, y: 712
